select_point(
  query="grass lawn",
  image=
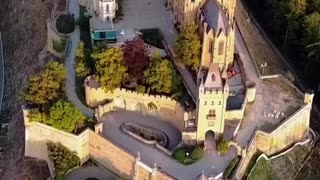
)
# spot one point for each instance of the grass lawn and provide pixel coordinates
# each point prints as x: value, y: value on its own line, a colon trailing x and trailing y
x: 282, y: 167
x: 193, y: 156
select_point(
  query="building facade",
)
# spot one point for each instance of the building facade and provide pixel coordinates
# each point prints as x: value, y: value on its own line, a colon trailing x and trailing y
x: 105, y: 10
x: 216, y: 28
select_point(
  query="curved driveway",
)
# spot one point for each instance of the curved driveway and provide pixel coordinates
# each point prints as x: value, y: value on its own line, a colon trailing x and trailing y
x: 211, y: 163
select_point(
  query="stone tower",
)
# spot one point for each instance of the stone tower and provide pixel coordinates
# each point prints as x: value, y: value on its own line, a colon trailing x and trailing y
x: 216, y: 28
x: 211, y: 105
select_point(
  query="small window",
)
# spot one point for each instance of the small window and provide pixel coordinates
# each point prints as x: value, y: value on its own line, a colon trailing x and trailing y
x: 205, y: 103
x: 219, y: 102
x: 210, y: 46
x: 210, y: 123
x: 213, y: 78
x: 212, y: 102
x: 221, y: 48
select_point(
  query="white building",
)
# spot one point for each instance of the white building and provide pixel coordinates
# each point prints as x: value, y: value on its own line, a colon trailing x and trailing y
x: 105, y: 10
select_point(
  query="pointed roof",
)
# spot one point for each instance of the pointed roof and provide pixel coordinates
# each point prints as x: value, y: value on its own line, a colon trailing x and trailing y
x: 213, y: 79
x: 214, y: 16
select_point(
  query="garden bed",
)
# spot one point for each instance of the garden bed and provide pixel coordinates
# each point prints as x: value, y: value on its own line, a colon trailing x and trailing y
x: 187, y: 155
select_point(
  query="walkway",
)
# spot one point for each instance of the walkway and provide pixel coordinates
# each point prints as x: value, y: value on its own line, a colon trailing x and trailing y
x: 70, y: 83
x: 1, y: 72
x: 83, y: 173
x: 211, y: 163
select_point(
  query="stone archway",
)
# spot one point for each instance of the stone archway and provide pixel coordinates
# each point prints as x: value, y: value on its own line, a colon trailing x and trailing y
x: 119, y: 102
x: 138, y: 107
x: 209, y: 141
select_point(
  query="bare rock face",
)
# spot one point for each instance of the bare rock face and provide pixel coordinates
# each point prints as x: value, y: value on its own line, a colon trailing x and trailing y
x: 23, y: 27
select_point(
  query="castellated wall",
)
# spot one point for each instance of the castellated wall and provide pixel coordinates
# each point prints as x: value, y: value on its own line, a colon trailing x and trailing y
x: 167, y: 109
x: 292, y: 130
x: 88, y: 144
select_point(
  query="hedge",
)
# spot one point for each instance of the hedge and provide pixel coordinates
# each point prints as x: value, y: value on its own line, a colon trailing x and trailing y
x: 231, y: 167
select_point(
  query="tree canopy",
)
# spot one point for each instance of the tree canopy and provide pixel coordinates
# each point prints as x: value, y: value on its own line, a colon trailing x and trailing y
x: 187, y: 46
x: 161, y: 75
x: 65, y: 116
x: 63, y: 159
x: 81, y: 65
x: 110, y: 67
x: 135, y: 57
x: 47, y: 85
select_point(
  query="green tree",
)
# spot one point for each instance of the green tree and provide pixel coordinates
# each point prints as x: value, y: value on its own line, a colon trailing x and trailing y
x: 161, y: 75
x: 65, y: 116
x: 110, y: 67
x: 63, y: 159
x: 47, y: 85
x: 81, y: 66
x: 311, y: 25
x: 187, y: 46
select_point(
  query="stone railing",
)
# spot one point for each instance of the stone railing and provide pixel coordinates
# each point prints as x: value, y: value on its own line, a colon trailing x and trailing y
x: 151, y: 142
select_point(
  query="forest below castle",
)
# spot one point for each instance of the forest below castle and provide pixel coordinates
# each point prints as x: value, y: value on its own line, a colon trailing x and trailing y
x: 294, y: 27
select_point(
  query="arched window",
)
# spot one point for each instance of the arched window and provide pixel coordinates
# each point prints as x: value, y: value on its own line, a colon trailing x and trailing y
x: 221, y: 48
x: 213, y: 78
x: 107, y: 8
x: 210, y: 46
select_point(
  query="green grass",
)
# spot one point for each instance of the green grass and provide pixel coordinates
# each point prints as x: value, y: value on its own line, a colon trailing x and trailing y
x: 59, y: 46
x: 251, y: 164
x: 263, y: 171
x: 152, y: 37
x: 194, y: 155
x: 231, y: 167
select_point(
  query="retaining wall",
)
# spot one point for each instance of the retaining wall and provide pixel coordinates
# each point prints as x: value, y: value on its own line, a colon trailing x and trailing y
x: 292, y: 130
x: 88, y: 144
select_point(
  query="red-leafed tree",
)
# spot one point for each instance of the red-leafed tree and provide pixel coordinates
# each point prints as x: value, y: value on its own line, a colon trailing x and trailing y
x: 136, y: 58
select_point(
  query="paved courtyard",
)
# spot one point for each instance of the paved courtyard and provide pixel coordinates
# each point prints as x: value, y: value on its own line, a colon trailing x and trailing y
x: 211, y: 163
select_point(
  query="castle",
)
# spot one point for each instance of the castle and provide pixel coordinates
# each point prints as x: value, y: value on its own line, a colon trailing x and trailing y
x: 217, y: 32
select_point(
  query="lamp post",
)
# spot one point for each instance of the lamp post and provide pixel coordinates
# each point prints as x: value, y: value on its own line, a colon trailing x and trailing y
x: 187, y: 154
x: 263, y: 66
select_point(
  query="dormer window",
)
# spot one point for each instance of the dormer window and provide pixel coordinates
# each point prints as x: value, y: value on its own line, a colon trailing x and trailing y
x: 213, y: 78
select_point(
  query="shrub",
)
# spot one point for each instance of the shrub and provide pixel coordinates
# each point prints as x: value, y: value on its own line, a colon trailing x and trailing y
x: 230, y: 169
x: 63, y: 159
x: 152, y: 37
x: 197, y: 153
x: 179, y: 155
x: 141, y: 89
x: 59, y: 46
x: 65, y: 23
x: 223, y: 146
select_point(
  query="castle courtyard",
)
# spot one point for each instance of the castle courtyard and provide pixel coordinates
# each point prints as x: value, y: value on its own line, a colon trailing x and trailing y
x: 212, y: 164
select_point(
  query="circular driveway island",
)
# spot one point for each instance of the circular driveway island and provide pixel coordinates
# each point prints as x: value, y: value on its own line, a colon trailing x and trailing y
x: 83, y: 173
x: 113, y: 121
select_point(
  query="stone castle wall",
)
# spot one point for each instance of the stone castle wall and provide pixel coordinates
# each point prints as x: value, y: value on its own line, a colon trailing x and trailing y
x: 167, y: 109
x: 88, y: 144
x: 292, y: 130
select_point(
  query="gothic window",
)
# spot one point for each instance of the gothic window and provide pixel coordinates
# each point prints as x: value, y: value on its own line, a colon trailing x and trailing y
x: 221, y: 47
x: 211, y: 115
x: 210, y: 46
x: 107, y: 8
